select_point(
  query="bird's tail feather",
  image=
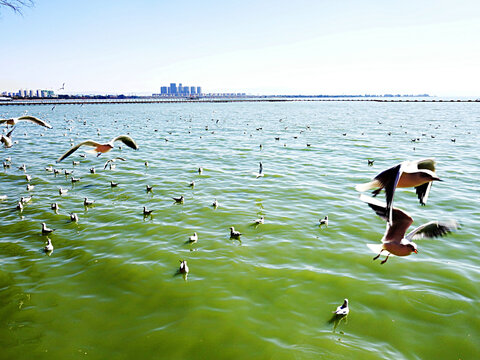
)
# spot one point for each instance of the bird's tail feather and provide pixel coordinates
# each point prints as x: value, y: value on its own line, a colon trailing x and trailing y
x: 367, y: 186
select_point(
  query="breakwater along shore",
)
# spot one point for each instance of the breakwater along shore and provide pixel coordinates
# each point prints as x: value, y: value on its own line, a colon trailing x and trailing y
x: 219, y: 100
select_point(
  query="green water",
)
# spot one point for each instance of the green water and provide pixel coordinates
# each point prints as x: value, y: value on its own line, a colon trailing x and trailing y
x: 109, y: 290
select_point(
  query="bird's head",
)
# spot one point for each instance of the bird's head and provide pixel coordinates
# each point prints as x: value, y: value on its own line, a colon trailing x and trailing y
x: 413, y: 247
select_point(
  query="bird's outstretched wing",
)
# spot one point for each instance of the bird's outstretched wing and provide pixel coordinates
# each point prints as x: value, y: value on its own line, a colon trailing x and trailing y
x: 433, y: 229
x: 127, y: 140
x: 389, y: 180
x: 35, y: 120
x: 401, y: 221
x: 423, y: 191
x: 428, y: 164
x: 75, y: 148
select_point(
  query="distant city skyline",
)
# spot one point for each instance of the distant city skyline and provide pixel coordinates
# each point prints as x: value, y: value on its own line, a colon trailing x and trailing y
x: 261, y: 47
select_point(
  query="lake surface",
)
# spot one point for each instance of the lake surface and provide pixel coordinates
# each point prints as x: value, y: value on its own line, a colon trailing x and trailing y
x: 110, y: 290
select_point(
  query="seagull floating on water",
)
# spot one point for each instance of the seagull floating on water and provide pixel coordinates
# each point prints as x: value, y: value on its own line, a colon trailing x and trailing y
x: 260, y: 171
x: 73, y: 217
x: 193, y: 238
x: 183, y: 269
x: 324, y: 221
x: 46, y: 230
x: 101, y: 148
x: 418, y: 174
x: 146, y: 212
x: 343, y: 309
x: 62, y: 191
x: 259, y: 221
x: 179, y: 200
x: 215, y: 203
x: 394, y: 240
x: 48, y: 247
x: 87, y: 202
x: 111, y: 162
x: 234, y: 234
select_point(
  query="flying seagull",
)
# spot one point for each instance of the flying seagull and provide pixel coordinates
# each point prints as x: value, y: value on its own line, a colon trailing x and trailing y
x: 394, y: 240
x: 101, y: 148
x: 14, y: 121
x: 418, y: 174
x: 6, y: 140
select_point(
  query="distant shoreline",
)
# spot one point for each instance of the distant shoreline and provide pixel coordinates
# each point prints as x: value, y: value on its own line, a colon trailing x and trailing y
x: 217, y: 100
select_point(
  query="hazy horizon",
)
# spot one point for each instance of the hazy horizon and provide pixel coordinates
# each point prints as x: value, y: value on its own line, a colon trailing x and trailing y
x: 265, y: 47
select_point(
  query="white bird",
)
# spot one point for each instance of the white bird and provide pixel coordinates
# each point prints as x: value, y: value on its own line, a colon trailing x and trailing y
x: 234, y: 234
x: 20, y: 206
x: 30, y: 187
x: 54, y: 207
x: 259, y: 221
x: 48, y: 247
x: 28, y: 177
x: 74, y: 179
x: 113, y: 184
x: 394, y: 240
x: 46, y: 230
x: 324, y: 221
x: 3, y: 197
x: 111, y: 162
x: 49, y: 168
x: 25, y: 199
x: 62, y: 191
x: 14, y: 121
x: 92, y: 170
x: 215, y: 203
x: 87, y: 202
x: 343, y: 309
x: 183, y: 267
x: 73, y: 217
x: 192, y: 184
x: 6, y: 140
x: 149, y: 188
x: 193, y: 238
x: 200, y: 170
x: 101, y: 148
x: 418, y: 174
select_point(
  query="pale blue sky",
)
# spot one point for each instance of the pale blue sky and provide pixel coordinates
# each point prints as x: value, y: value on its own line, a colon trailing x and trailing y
x: 258, y: 47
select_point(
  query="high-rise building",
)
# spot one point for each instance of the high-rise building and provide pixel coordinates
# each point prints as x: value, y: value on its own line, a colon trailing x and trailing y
x: 163, y: 90
x: 173, y: 89
x: 192, y: 90
x: 180, y: 89
x: 199, y: 90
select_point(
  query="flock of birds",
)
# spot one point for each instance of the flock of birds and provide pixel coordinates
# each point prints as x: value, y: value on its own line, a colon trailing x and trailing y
x: 418, y: 174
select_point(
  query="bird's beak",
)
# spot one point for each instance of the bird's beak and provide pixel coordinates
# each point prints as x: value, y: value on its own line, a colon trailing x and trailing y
x: 437, y: 179
x: 415, y: 251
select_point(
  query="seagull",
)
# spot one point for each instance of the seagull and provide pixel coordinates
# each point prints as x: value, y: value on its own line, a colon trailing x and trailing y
x: 179, y: 200
x: 54, y: 207
x: 14, y: 121
x: 74, y: 179
x: 48, y: 247
x: 146, y: 212
x: 101, y: 148
x: 324, y: 221
x: 394, y: 240
x: 370, y: 162
x: 92, y: 170
x: 183, y: 267
x: 215, y: 203
x: 73, y: 217
x: 6, y: 140
x: 25, y: 199
x: 49, y: 168
x: 192, y: 184
x: 111, y: 162
x: 259, y: 221
x: 418, y: 174
x: 113, y: 184
x: 193, y: 238
x: 234, y: 234
x: 343, y: 309
x: 62, y: 191
x: 260, y: 171
x: 149, y: 188
x: 23, y: 168
x: 200, y: 170
x: 87, y: 202
x: 30, y: 187
x: 20, y: 206
x: 46, y: 230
